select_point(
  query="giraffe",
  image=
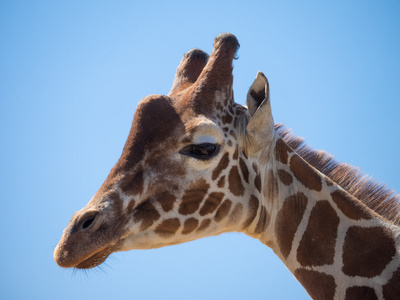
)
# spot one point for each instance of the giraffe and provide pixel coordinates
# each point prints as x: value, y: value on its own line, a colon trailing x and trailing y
x: 197, y: 164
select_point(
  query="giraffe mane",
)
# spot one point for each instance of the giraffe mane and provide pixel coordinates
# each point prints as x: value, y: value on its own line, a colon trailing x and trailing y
x: 375, y: 195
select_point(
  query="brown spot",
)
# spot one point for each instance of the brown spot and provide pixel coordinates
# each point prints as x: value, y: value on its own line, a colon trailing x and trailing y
x: 257, y: 182
x: 227, y: 118
x: 223, y: 210
x: 252, y: 212
x: 391, y: 290
x: 147, y: 214
x: 133, y: 183
x: 263, y: 221
x: 166, y: 201
x: 285, y: 177
x: 193, y: 196
x: 236, y: 213
x: 189, y: 225
x: 349, y: 206
x: 282, y: 151
x: 235, y: 182
x: 361, y: 292
x: 221, y: 182
x: 244, y: 170
x: 233, y: 134
x: 168, y: 227
x: 223, y: 163
x: 212, y: 202
x: 204, y: 225
x: 236, y: 154
x: 317, y: 247
x: 131, y: 205
x: 288, y: 220
x: 305, y: 173
x: 230, y: 144
x: 318, y: 285
x: 367, y: 251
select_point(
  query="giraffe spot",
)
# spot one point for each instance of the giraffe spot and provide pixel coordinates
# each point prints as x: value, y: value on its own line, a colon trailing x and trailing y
x: 288, y: 220
x: 168, y: 227
x: 227, y: 118
x: 349, y: 206
x: 244, y: 170
x: 190, y: 225
x: 221, y: 182
x: 212, y: 202
x: 271, y: 186
x: 391, y: 290
x: 367, y: 251
x: 235, y: 182
x: 236, y: 154
x: 131, y: 205
x: 285, y: 177
x: 147, y: 214
x: 204, y: 225
x: 282, y: 151
x: 318, y: 285
x: 166, y: 201
x: 317, y: 247
x: 361, y: 292
x: 236, y: 214
x: 230, y: 144
x: 223, y: 210
x: 223, y: 163
x: 305, y: 174
x: 133, y: 183
x: 263, y: 221
x: 257, y: 182
x: 193, y: 196
x: 252, y: 211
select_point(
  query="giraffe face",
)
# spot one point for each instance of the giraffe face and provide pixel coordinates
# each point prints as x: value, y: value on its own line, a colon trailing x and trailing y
x: 181, y: 175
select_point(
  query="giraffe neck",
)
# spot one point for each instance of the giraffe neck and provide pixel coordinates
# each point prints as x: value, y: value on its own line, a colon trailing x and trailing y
x: 334, y: 245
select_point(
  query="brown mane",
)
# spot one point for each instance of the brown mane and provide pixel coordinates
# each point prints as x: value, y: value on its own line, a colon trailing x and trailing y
x: 376, y: 196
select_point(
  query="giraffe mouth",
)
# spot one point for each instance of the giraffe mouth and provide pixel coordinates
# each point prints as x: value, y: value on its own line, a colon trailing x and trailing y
x: 96, y: 259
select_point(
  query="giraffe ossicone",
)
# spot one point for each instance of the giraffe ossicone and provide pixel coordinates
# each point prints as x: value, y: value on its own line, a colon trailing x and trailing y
x: 197, y: 164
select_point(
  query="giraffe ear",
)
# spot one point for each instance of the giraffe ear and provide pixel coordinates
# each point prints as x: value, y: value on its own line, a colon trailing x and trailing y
x: 261, y: 123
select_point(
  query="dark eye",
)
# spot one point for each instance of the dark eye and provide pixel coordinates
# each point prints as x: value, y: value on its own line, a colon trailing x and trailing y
x: 201, y: 151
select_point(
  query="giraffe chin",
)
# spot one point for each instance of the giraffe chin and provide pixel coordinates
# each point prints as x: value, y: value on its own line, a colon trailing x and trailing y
x: 96, y: 259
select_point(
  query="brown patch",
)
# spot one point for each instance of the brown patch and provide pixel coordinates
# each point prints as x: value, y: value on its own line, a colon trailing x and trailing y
x: 282, y: 151
x: 349, y: 206
x: 236, y: 154
x: 305, y: 173
x: 223, y: 210
x: 190, y: 225
x: 244, y: 170
x: 257, y: 182
x: 317, y: 247
x: 131, y: 206
x: 252, y: 211
x: 285, y: 177
x: 236, y: 213
x: 391, y: 290
x: 230, y: 144
x: 193, y: 196
x: 318, y: 285
x: 361, y: 292
x: 166, y: 200
x: 204, y: 225
x: 221, y: 182
x: 168, y: 227
x: 367, y: 251
x: 288, y: 220
x: 147, y: 214
x: 263, y: 221
x: 223, y: 163
x: 212, y: 202
x: 227, y: 118
x: 133, y: 183
x: 235, y: 182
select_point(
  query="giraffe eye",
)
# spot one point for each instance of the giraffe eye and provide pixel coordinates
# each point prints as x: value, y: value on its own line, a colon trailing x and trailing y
x: 201, y: 151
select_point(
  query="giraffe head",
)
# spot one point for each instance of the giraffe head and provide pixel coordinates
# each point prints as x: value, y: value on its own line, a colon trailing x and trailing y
x: 185, y: 171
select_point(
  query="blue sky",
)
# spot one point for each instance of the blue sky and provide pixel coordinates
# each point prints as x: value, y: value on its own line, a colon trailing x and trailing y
x: 72, y: 73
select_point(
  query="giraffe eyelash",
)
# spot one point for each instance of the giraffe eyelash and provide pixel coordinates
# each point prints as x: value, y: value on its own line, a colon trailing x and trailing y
x: 203, y: 151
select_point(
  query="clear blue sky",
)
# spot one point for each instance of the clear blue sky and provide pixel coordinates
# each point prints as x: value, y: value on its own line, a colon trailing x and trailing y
x: 72, y: 73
